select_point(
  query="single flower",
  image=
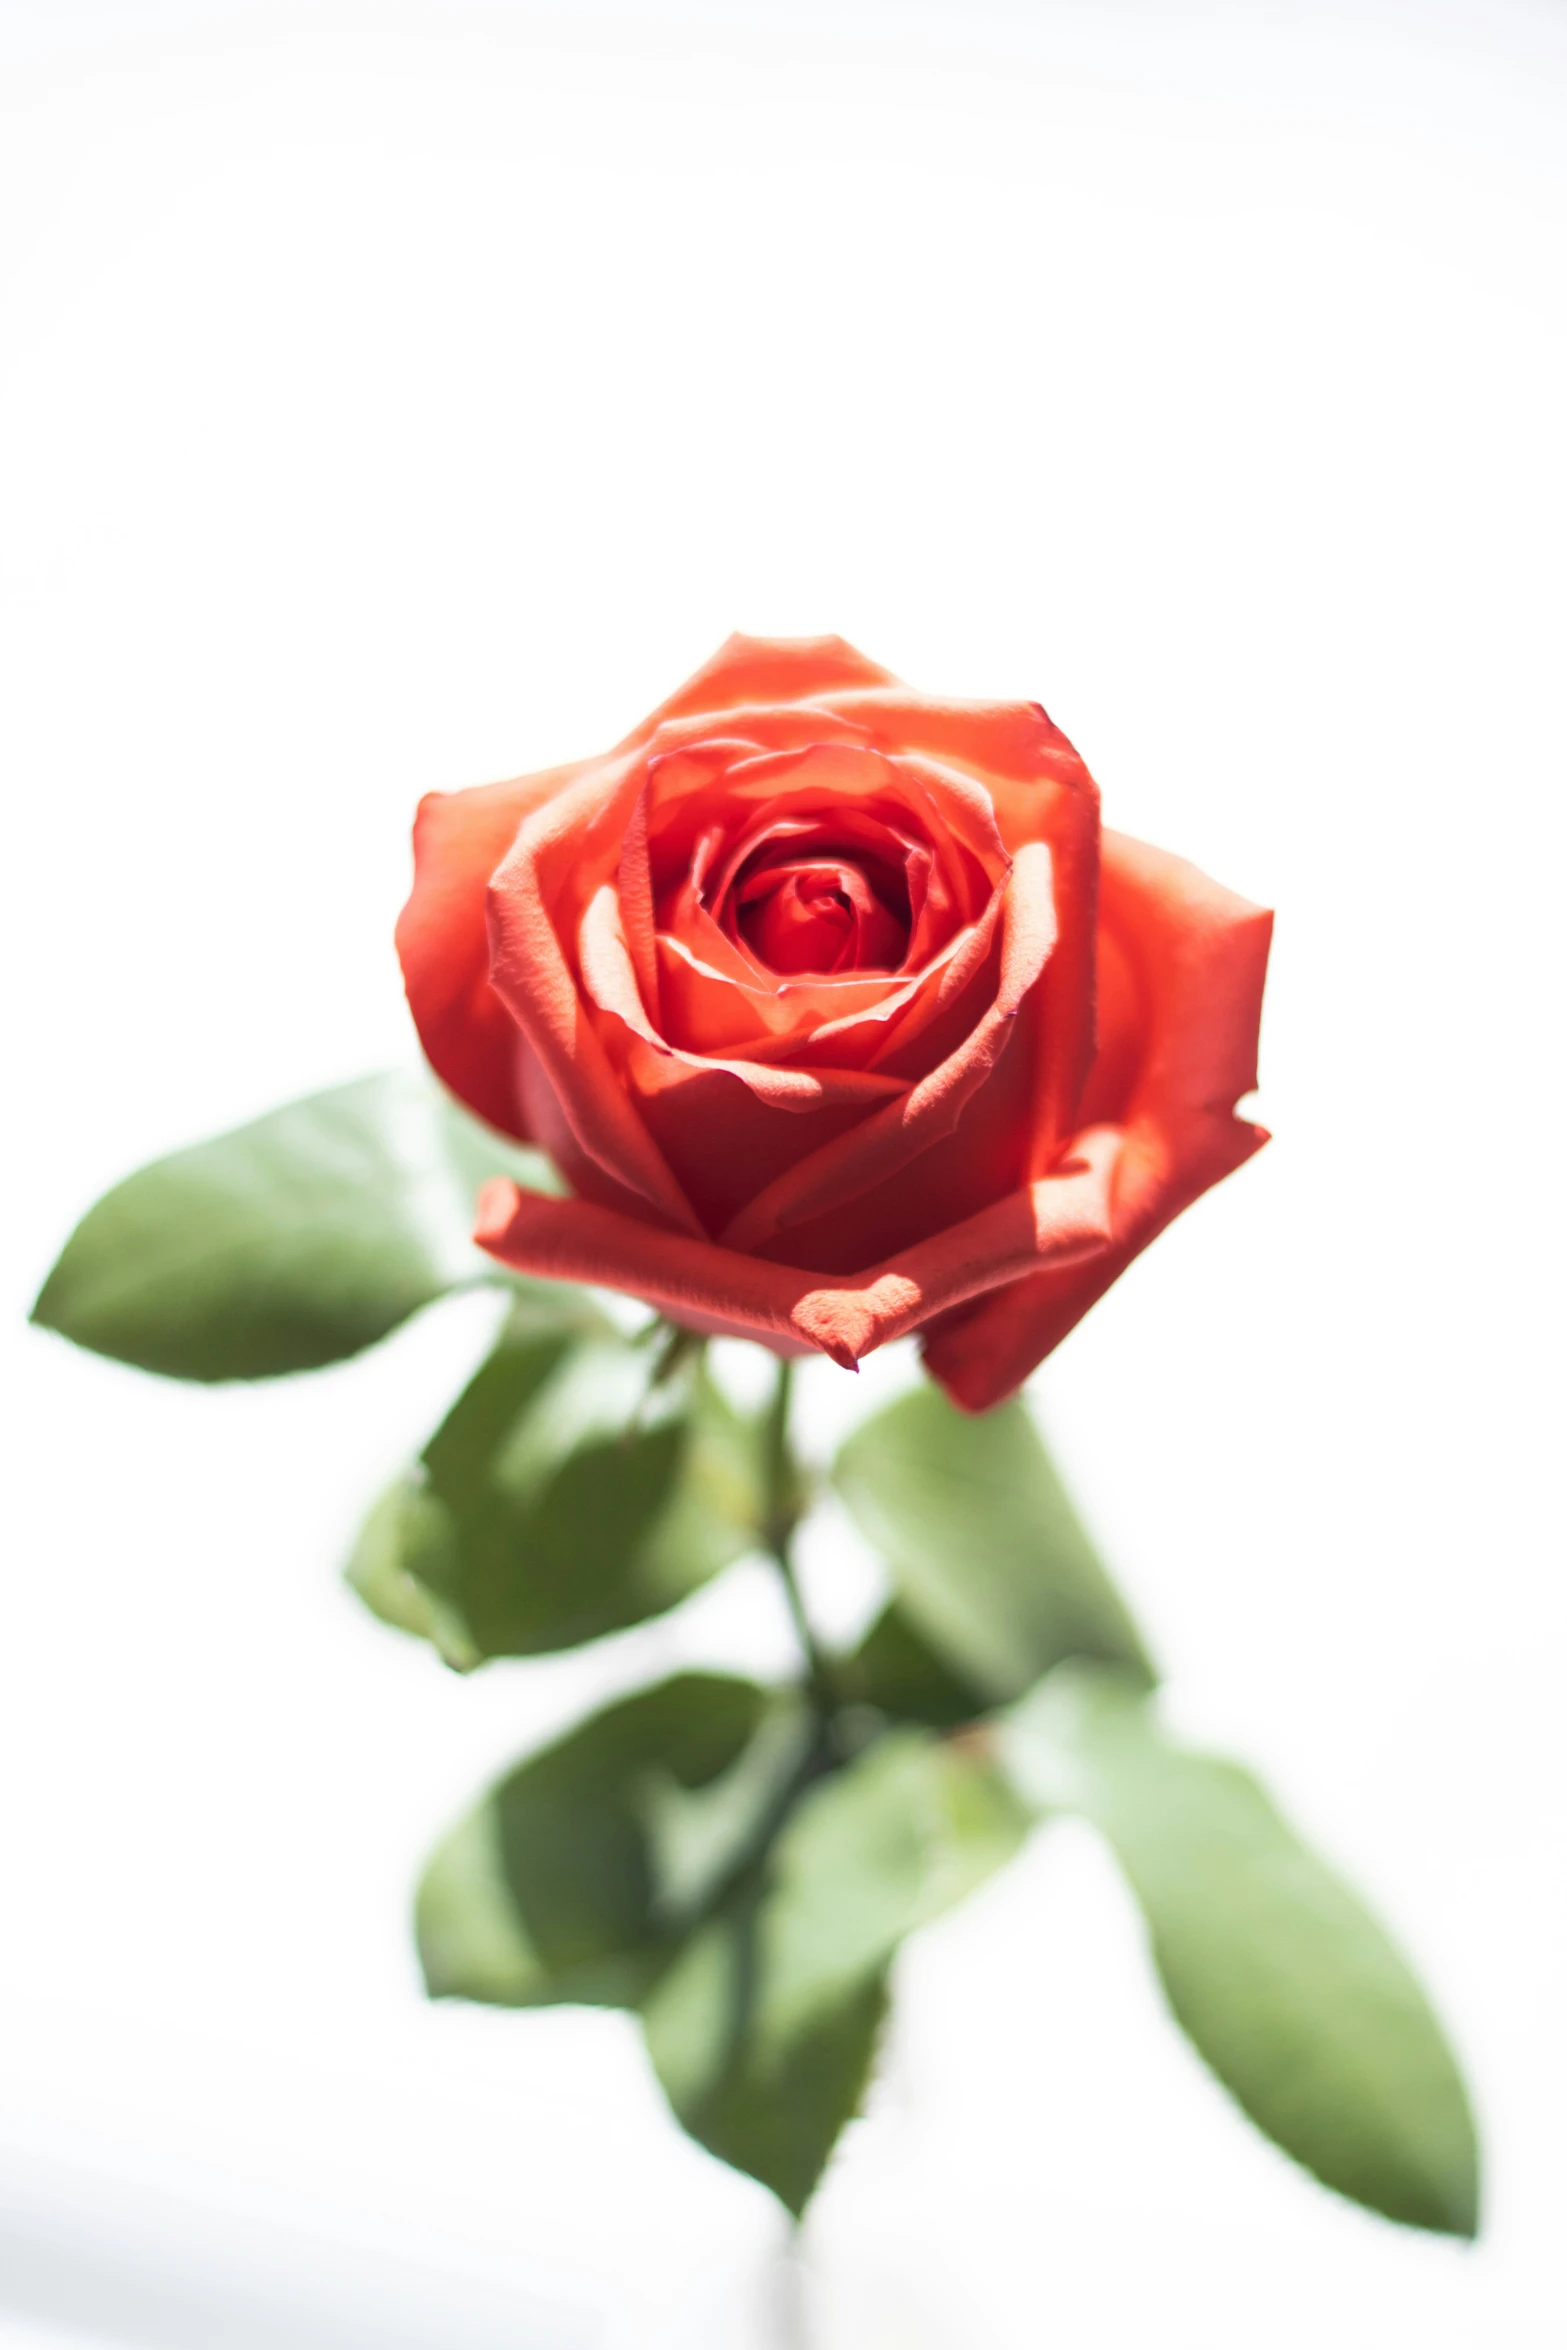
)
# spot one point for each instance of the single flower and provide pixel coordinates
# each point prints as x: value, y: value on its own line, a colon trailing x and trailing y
x: 838, y: 1012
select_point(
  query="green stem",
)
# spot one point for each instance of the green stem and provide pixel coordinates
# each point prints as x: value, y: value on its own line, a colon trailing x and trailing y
x: 781, y: 1515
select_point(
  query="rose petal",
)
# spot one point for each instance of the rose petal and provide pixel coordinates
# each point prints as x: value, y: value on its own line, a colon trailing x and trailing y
x: 815, y: 919
x: 529, y: 972
x: 443, y: 939
x: 608, y: 976
x: 1038, y: 788
x: 1201, y: 955
x: 891, y: 1138
x: 711, y: 1010
x: 749, y: 728
x: 859, y: 1023
x: 1013, y: 747
x: 766, y: 669
x: 636, y: 906
x: 949, y: 811
x: 1061, y: 1219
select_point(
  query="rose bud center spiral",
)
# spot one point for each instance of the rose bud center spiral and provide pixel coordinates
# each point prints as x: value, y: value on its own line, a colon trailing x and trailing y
x: 821, y: 910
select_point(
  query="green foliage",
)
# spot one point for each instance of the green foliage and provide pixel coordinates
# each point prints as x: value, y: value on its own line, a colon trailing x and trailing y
x: 1278, y: 1973
x: 742, y: 1866
x: 576, y: 1877
x: 696, y: 1851
x: 992, y: 1569
x: 397, y: 1563
x: 770, y: 2100
x: 898, y: 1673
x: 566, y: 1494
x: 764, y: 2029
x: 292, y: 1242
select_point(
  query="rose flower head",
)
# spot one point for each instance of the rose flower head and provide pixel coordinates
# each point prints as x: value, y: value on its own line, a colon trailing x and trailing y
x: 839, y: 1014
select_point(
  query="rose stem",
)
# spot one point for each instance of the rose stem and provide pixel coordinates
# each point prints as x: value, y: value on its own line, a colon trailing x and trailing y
x: 781, y: 1514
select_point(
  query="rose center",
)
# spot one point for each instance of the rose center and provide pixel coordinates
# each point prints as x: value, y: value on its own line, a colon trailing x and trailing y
x: 820, y: 914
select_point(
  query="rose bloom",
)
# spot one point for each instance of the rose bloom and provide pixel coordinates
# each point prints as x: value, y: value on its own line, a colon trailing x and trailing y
x: 838, y: 1012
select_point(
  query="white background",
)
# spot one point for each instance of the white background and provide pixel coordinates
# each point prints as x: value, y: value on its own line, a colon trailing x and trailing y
x: 402, y: 395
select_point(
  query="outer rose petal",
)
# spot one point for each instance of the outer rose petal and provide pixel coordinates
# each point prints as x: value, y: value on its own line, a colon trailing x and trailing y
x: 534, y: 980
x: 1060, y: 1220
x: 766, y: 669
x: 1201, y: 955
x: 443, y: 940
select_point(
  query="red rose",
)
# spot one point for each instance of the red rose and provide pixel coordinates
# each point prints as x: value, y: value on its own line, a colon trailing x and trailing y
x: 838, y: 1013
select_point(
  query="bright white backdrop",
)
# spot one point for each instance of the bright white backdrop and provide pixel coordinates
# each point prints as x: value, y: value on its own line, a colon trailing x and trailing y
x: 403, y: 395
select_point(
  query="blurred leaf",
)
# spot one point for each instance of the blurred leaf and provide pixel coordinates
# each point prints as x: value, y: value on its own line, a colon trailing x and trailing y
x: 716, y: 1510
x: 1281, y: 1977
x: 292, y: 1242
x: 552, y: 1889
x: 700, y: 1836
x: 900, y: 1835
x: 991, y: 1566
x: 898, y: 1673
x: 764, y: 2029
x: 472, y: 1941
x: 398, y: 1564
x: 768, y: 2102
x: 561, y: 1499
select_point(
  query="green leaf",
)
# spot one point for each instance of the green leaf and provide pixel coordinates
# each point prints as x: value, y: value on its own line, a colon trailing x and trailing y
x: 763, y: 2031
x: 468, y: 1923
x: 292, y: 1242
x: 1278, y: 1973
x: 883, y: 1846
x: 897, y: 1672
x: 398, y: 1563
x: 991, y: 1566
x: 684, y: 1851
x: 561, y: 1499
x: 769, y: 2102
x: 557, y: 1887
x: 701, y: 1837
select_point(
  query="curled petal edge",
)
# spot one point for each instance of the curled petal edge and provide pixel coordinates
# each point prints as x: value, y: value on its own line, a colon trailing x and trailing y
x: 1063, y: 1219
x: 983, y: 1355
